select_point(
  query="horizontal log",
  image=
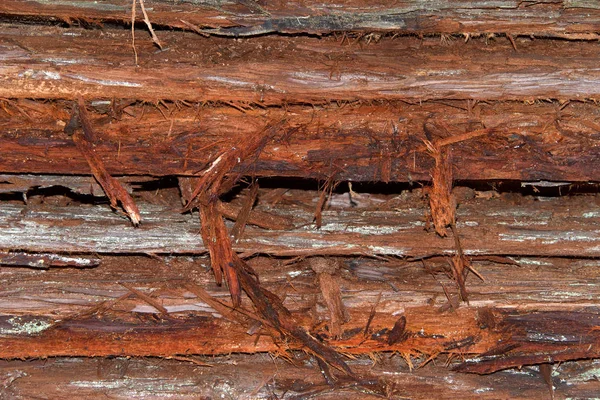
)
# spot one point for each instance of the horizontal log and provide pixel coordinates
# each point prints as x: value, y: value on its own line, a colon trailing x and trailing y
x: 357, y: 142
x: 544, y: 284
x: 260, y: 376
x: 531, y: 344
x: 552, y: 309
x: 546, y: 18
x: 50, y: 62
x: 493, y: 226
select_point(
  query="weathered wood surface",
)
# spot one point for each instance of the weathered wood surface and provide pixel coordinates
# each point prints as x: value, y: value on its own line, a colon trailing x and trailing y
x: 354, y: 105
x: 551, y: 311
x: 543, y: 284
x: 358, y: 142
x: 562, y: 18
x: 491, y: 226
x: 51, y: 62
x: 262, y: 377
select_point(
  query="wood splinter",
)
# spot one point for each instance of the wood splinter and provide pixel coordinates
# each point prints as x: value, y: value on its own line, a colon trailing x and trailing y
x: 113, y: 189
x: 443, y: 211
x: 330, y: 289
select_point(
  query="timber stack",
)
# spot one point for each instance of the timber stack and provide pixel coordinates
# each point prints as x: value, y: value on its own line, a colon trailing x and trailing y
x: 303, y: 199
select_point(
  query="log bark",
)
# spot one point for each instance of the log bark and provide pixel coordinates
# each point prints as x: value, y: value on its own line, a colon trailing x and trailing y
x: 485, y: 226
x: 261, y: 376
x: 562, y: 18
x: 345, y: 91
x: 51, y: 63
x: 89, y: 314
x: 350, y: 142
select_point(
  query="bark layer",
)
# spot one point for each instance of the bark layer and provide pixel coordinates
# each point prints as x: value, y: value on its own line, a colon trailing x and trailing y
x: 357, y: 142
x: 98, y: 64
x: 563, y: 18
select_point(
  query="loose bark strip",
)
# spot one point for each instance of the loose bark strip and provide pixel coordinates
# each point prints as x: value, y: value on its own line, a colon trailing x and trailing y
x: 218, y: 178
x: 133, y: 4
x: 273, y: 310
x: 564, y: 18
x: 546, y: 373
x: 300, y: 70
x: 216, y: 239
x: 148, y: 23
x: 443, y: 209
x: 330, y: 289
x: 441, y: 201
x: 230, y: 211
x: 112, y: 187
x: 244, y: 215
x: 215, y: 181
x: 332, y: 295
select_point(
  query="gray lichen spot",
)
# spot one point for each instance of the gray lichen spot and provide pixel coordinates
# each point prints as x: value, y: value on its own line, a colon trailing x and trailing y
x: 25, y: 327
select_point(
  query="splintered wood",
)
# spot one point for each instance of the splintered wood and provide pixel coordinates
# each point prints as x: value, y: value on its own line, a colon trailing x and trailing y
x: 442, y: 204
x: 441, y: 200
x: 215, y: 181
x: 217, y: 241
x: 84, y: 141
x: 342, y: 192
x: 330, y: 289
x: 280, y: 318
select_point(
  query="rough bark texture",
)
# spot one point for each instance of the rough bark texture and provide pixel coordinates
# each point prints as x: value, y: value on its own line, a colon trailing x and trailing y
x: 554, y: 18
x: 542, y: 141
x: 521, y: 226
x: 334, y: 140
x: 66, y: 63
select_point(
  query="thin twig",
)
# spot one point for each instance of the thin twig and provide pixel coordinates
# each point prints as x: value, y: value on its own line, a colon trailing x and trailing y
x: 149, y: 25
x: 133, y: 30
x: 372, y: 315
x: 146, y: 298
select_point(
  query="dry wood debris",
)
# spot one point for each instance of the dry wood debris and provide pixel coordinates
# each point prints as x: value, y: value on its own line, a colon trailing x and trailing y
x: 84, y: 140
x: 293, y: 150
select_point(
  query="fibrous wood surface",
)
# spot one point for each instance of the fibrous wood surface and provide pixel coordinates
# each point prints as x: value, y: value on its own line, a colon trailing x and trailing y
x: 411, y: 191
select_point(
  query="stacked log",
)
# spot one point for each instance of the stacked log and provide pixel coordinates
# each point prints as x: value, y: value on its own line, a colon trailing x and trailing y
x: 380, y: 197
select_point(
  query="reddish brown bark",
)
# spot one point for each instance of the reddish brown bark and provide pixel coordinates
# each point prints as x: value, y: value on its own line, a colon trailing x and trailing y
x: 555, y: 19
x: 275, y: 70
x: 356, y: 142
